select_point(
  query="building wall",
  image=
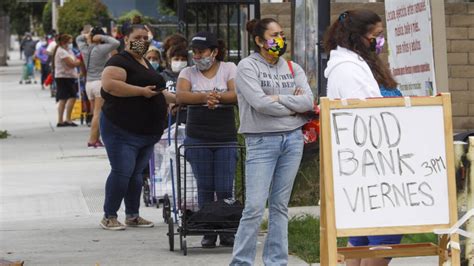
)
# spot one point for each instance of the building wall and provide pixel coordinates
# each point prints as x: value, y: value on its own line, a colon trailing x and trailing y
x: 460, y: 49
x: 460, y: 45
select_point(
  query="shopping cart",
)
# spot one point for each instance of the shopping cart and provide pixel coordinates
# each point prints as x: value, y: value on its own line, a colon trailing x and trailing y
x: 28, y: 74
x: 159, y: 182
x: 183, y: 209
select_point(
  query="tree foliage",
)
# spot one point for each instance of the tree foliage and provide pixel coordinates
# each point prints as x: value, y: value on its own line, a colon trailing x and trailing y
x: 21, y: 13
x: 167, y: 7
x: 73, y: 15
x: 48, y: 17
x: 127, y: 17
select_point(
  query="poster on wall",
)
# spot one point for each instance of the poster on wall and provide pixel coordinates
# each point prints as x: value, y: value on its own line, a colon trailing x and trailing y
x: 305, y: 39
x: 410, y: 45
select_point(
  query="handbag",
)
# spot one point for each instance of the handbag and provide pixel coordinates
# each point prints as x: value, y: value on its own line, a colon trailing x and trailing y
x: 311, y: 128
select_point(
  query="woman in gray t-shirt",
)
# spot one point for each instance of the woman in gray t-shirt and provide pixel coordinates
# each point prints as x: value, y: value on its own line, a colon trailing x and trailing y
x: 95, y: 48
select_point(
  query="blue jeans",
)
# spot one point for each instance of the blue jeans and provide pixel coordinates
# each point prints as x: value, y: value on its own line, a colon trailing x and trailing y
x: 271, y: 166
x: 375, y: 240
x: 213, y: 168
x: 128, y: 154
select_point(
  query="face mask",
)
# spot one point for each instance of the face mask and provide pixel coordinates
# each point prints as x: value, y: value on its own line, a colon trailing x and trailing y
x: 204, y: 63
x: 69, y: 46
x: 139, y: 47
x: 177, y: 66
x: 276, y: 47
x: 155, y: 64
x: 376, y: 44
x: 379, y: 42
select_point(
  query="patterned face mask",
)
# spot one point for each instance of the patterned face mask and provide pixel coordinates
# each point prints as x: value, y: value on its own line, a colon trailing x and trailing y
x: 376, y: 44
x: 139, y: 47
x: 379, y: 42
x: 204, y: 63
x: 276, y: 47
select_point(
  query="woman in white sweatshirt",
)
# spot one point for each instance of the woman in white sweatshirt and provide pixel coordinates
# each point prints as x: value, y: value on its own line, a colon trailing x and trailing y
x: 353, y: 41
x: 355, y: 71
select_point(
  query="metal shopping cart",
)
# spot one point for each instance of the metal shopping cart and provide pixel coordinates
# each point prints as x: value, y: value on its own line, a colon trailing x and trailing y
x: 184, y: 209
x: 158, y: 183
x: 28, y: 73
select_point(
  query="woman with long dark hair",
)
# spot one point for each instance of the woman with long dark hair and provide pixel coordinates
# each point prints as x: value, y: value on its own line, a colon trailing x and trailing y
x: 356, y: 71
x: 353, y: 42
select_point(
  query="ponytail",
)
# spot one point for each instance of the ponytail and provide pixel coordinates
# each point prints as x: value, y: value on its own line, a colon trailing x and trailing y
x: 221, y: 50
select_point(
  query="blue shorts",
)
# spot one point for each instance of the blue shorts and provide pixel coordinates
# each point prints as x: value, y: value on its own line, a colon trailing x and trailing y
x: 375, y: 240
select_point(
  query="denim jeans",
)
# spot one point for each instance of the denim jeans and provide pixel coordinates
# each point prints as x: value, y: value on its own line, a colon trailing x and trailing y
x: 270, y: 169
x: 128, y: 154
x: 213, y: 168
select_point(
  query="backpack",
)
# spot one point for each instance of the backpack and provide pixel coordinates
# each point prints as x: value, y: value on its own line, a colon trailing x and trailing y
x: 221, y: 214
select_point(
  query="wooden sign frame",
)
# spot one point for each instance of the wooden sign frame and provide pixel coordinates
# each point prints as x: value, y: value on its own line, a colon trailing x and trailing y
x: 329, y: 232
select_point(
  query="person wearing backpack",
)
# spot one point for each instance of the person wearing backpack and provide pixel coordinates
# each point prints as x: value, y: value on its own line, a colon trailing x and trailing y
x: 272, y: 95
x: 95, y: 48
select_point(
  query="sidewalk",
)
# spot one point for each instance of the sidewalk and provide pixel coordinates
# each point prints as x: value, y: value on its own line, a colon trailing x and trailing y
x: 52, y: 190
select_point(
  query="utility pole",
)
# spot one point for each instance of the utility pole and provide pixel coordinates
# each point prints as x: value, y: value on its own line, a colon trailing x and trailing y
x: 55, y: 15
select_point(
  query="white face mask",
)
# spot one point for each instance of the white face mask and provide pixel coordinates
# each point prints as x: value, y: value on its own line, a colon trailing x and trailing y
x: 177, y: 66
x: 69, y: 46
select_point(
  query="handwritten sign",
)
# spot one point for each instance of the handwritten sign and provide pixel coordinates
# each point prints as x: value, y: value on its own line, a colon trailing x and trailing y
x: 410, y: 46
x: 389, y: 167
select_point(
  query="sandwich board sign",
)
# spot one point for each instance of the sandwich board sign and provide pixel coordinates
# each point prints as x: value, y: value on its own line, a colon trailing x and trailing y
x: 386, y: 168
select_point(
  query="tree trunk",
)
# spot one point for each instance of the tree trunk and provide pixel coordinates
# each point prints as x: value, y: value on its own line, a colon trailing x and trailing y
x: 4, y: 40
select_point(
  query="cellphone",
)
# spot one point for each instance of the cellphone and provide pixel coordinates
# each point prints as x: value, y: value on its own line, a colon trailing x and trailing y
x: 157, y: 88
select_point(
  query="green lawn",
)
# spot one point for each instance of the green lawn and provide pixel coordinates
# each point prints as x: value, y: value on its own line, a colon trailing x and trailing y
x: 303, y: 238
x: 4, y: 134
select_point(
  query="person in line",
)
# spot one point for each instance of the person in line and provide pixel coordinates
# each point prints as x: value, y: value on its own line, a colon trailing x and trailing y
x: 53, y: 36
x: 132, y: 121
x: 172, y: 41
x: 177, y: 61
x: 272, y: 95
x: 355, y: 71
x: 154, y: 56
x: 202, y: 87
x: 95, y: 48
x: 65, y: 75
x: 42, y: 54
x: 28, y: 47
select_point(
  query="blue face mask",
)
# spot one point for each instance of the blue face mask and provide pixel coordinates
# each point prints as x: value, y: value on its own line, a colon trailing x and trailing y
x: 155, y: 64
